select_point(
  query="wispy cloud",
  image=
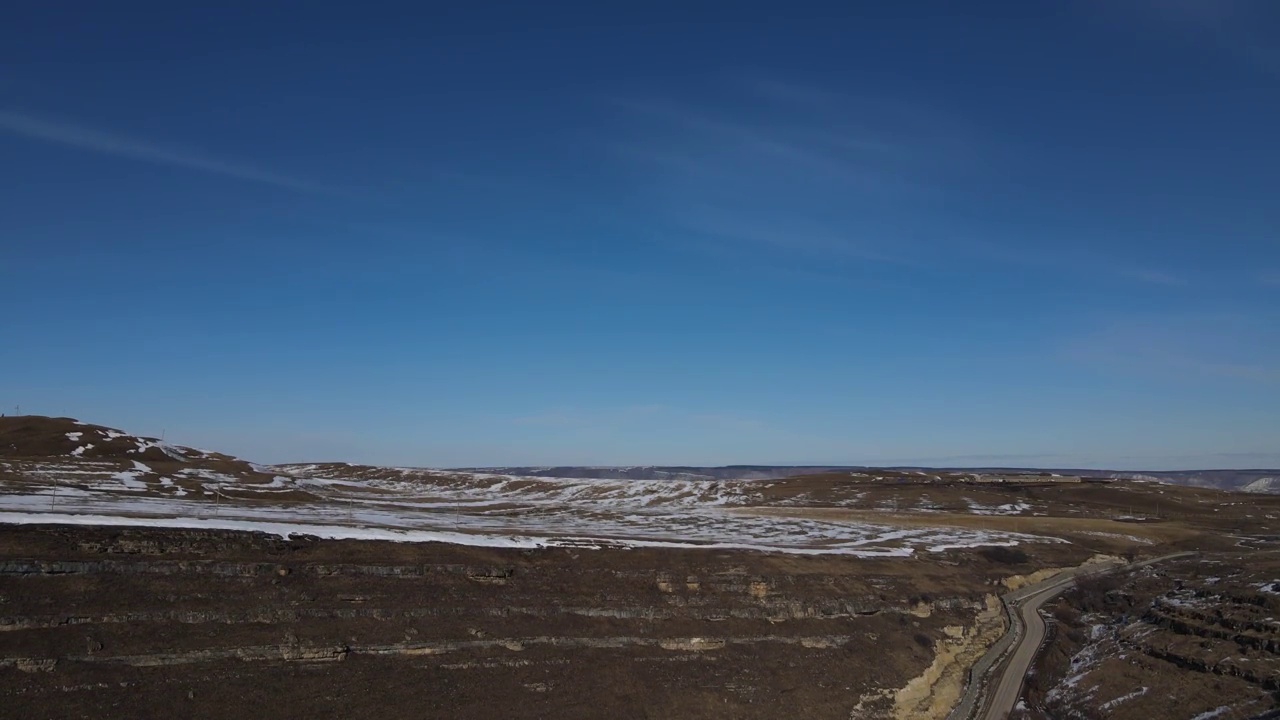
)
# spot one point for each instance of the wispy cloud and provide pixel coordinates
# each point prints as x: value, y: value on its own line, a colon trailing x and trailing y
x: 550, y: 418
x: 763, y: 145
x: 106, y: 143
x: 1236, y: 26
x: 1270, y: 278
x: 653, y: 414
x: 565, y: 417
x: 800, y: 171
x: 1184, y: 347
x: 1066, y: 257
x: 790, y: 92
x: 787, y: 167
x: 795, y: 233
x: 1150, y: 276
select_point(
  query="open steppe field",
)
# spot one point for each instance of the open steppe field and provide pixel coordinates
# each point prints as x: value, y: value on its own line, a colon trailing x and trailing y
x: 145, y: 579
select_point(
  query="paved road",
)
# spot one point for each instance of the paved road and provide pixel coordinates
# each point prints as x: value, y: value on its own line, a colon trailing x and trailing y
x: 1024, y: 609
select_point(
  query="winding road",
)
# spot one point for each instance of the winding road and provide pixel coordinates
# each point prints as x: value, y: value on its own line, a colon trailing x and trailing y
x: 1027, y: 611
x: 1026, y: 633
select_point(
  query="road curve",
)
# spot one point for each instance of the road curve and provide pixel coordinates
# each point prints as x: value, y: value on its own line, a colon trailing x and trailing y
x: 1024, y: 611
x: 1027, y: 611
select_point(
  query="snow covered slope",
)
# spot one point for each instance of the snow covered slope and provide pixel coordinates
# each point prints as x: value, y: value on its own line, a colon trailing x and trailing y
x: 89, y: 474
x: 1263, y: 485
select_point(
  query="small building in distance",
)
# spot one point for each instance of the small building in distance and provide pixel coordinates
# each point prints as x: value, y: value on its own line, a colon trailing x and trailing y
x: 1025, y: 478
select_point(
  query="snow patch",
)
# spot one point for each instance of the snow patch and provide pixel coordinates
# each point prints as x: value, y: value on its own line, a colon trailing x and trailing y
x: 408, y: 504
x: 128, y: 480
x: 1124, y: 698
x: 172, y: 451
x: 977, y: 508
x: 1117, y: 536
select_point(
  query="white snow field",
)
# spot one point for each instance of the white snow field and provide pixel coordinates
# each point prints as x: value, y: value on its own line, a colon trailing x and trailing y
x: 414, y: 505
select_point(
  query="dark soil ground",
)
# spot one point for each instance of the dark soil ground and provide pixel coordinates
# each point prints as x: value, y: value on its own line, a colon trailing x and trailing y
x: 152, y: 623
x: 119, y: 622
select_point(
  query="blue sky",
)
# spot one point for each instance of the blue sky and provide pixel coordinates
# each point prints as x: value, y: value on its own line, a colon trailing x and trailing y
x: 1025, y: 233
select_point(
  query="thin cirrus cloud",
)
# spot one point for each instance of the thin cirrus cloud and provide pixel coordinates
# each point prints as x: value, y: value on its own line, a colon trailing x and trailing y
x: 583, y: 416
x: 1238, y: 27
x: 653, y: 414
x: 1183, y: 348
x: 1072, y: 259
x: 797, y: 169
x: 1151, y: 276
x: 105, y: 143
x: 791, y: 168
